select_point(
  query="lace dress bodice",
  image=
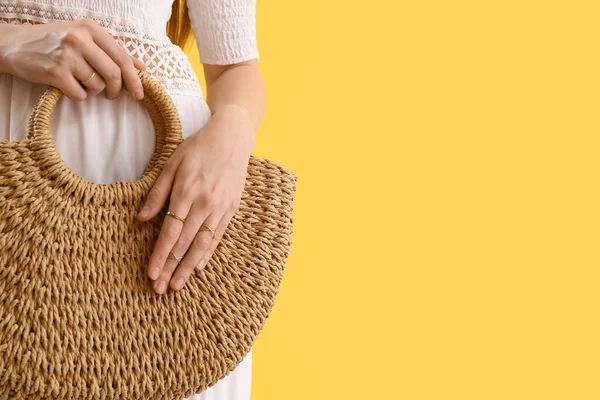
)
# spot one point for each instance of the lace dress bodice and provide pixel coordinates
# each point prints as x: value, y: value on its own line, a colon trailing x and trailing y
x: 225, y: 31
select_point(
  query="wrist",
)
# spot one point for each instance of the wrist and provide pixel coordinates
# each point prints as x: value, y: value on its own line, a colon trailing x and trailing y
x: 241, y: 116
x: 236, y: 111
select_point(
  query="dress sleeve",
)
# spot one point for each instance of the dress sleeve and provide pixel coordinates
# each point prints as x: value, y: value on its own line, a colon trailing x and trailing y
x: 225, y: 30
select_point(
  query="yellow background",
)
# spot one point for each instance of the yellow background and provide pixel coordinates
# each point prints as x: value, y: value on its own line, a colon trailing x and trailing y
x: 446, y: 216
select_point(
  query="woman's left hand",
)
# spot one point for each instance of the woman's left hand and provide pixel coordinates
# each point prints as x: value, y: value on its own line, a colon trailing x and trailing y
x: 204, y: 178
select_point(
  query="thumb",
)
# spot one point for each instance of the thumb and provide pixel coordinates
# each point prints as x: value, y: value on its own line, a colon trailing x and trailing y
x: 157, y: 196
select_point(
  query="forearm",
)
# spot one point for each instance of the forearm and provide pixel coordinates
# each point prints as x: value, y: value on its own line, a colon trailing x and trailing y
x: 240, y: 89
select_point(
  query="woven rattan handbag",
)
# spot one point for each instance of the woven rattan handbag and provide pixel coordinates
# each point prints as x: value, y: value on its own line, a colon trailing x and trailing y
x: 78, y: 316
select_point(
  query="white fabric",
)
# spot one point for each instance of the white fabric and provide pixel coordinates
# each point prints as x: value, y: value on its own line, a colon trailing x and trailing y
x: 110, y: 140
x: 225, y: 30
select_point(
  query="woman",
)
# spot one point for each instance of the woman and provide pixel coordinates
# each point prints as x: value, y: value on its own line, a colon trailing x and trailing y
x: 91, y: 50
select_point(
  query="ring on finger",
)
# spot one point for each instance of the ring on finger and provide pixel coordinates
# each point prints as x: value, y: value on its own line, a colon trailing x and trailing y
x: 89, y: 79
x: 172, y: 214
x: 175, y: 257
x: 207, y: 228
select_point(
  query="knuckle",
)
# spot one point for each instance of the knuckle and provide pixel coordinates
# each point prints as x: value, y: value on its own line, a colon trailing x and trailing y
x: 115, y: 74
x: 208, y: 200
x: 96, y: 88
x: 62, y: 56
x: 88, y: 23
x: 53, y: 37
x: 135, y: 88
x: 202, y: 241
x: 184, y: 194
x: 183, y: 243
x: 154, y: 194
x: 150, y: 203
x: 172, y: 232
x: 54, y: 71
x: 193, y: 220
x: 73, y: 38
x: 121, y: 57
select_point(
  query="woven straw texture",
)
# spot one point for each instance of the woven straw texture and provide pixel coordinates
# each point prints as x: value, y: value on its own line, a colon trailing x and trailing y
x: 78, y: 316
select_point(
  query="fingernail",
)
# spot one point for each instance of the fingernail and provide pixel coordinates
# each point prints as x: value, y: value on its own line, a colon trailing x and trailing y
x: 154, y: 273
x: 179, y: 283
x: 161, y: 286
x: 144, y: 211
x: 201, y: 264
x: 139, y: 94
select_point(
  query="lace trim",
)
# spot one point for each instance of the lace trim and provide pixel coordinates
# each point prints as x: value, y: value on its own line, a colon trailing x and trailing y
x: 165, y: 61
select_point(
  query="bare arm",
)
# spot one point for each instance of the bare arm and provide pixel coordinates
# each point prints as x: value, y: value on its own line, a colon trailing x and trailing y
x: 212, y: 169
x: 237, y: 88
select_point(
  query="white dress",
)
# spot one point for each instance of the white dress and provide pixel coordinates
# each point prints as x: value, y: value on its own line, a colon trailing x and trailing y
x: 110, y: 140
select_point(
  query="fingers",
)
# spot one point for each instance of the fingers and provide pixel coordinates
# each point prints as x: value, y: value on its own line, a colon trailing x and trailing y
x: 180, y: 204
x: 88, y: 78
x: 200, y: 245
x: 161, y: 283
x: 105, y: 66
x: 219, y: 232
x: 155, y: 201
x: 185, y: 245
x: 93, y: 82
x: 122, y: 66
x: 70, y: 52
x: 131, y: 78
x: 160, y: 268
x: 139, y: 64
x: 161, y: 190
x: 69, y: 86
x: 60, y: 72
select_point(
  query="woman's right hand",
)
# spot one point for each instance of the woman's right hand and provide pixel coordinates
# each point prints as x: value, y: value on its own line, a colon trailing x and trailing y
x: 63, y: 54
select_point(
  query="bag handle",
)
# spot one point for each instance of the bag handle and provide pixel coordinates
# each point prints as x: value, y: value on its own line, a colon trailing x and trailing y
x: 167, y: 125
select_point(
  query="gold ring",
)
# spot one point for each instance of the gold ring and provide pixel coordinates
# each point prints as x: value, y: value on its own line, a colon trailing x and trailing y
x: 176, y: 216
x: 90, y: 78
x: 176, y: 258
x: 207, y: 228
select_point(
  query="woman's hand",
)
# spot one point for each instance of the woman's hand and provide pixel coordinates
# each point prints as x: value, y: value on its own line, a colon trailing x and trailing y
x: 63, y: 54
x: 204, y: 179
